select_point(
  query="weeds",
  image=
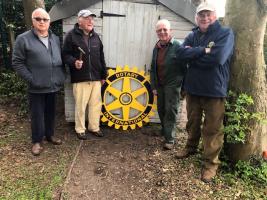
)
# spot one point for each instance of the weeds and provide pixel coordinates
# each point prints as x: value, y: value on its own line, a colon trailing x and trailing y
x: 13, y: 90
x: 238, y: 117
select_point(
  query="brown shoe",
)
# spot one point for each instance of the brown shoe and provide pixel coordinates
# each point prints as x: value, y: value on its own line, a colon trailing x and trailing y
x: 168, y: 146
x: 36, y: 149
x: 54, y: 140
x: 208, y: 174
x: 184, y: 153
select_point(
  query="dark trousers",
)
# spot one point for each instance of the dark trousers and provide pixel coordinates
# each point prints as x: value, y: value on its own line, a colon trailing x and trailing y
x: 42, y: 109
x: 168, y: 101
x: 212, y: 134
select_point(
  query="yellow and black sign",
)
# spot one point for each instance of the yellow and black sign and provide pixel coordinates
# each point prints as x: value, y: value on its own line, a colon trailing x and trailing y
x: 127, y: 98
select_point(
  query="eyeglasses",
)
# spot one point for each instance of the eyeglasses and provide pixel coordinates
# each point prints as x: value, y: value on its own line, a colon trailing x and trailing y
x: 39, y: 19
x: 162, y: 30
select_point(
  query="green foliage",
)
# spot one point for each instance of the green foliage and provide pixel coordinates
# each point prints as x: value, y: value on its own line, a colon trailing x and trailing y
x: 13, y: 90
x: 254, y: 170
x: 239, y: 117
x: 12, y: 16
x: 251, y: 174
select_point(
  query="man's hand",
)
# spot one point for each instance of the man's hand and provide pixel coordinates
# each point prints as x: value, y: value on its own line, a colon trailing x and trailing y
x: 207, y: 50
x: 103, y: 81
x: 78, y: 64
x: 155, y: 92
x: 182, y: 94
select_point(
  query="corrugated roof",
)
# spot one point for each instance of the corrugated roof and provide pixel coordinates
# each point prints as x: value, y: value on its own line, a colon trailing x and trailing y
x: 67, y: 8
x: 183, y: 8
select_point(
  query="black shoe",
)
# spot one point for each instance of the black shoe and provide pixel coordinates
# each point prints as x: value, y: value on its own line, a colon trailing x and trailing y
x: 97, y: 133
x: 81, y: 136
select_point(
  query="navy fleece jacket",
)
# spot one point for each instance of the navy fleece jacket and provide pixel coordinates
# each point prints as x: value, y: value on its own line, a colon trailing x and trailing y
x: 208, y: 74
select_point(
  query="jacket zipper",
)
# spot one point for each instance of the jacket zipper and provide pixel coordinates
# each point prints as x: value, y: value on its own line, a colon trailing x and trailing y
x: 89, y: 58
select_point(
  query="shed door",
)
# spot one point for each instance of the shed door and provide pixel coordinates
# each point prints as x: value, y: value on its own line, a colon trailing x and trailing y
x: 129, y: 39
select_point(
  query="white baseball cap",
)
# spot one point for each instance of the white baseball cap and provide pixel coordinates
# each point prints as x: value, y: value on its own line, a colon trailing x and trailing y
x: 85, y: 13
x: 205, y: 6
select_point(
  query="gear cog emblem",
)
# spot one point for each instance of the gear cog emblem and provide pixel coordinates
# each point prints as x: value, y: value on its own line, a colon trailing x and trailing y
x: 127, y: 98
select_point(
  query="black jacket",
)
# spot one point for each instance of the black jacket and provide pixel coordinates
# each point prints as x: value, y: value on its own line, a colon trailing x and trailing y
x: 42, y: 68
x: 94, y: 66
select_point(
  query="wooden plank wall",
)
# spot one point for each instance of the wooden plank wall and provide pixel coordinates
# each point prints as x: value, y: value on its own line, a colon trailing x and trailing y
x: 181, y: 27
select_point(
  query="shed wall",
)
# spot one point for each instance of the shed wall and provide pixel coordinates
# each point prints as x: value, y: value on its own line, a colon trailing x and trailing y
x: 181, y: 27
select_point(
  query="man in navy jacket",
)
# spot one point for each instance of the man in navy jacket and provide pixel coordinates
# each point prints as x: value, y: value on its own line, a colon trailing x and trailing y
x: 208, y: 50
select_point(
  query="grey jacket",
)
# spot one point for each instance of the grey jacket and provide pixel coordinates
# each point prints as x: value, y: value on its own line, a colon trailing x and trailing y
x: 42, y: 68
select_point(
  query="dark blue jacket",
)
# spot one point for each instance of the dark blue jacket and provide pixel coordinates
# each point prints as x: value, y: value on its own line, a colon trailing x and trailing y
x: 208, y: 74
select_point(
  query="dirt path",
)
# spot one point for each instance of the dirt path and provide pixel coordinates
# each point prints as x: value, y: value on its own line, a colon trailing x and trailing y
x: 133, y: 165
x: 123, y: 165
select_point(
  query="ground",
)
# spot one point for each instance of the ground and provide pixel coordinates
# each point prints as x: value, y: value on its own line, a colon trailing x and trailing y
x: 122, y: 165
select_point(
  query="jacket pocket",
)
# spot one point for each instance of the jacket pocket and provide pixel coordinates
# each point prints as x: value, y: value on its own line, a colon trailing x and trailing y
x: 59, y: 75
x: 41, y: 78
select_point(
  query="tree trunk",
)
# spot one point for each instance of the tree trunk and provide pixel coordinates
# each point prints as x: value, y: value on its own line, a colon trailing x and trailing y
x: 29, y: 6
x: 11, y: 37
x: 248, y: 71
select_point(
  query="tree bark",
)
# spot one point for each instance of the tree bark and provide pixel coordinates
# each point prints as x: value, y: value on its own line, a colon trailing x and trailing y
x: 248, y: 18
x: 11, y: 34
x: 29, y: 6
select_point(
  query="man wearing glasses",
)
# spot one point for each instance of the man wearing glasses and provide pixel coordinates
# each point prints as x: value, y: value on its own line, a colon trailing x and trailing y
x: 166, y: 78
x: 37, y: 59
x: 83, y: 53
x: 208, y: 50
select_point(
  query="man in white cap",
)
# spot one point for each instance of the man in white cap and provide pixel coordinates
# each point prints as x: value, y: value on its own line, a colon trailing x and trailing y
x: 208, y: 50
x: 83, y: 53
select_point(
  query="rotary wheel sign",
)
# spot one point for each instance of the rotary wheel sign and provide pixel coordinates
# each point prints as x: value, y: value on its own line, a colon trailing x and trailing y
x: 127, y: 98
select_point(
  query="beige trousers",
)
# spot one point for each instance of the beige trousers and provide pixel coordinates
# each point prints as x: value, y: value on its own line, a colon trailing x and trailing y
x: 87, y: 94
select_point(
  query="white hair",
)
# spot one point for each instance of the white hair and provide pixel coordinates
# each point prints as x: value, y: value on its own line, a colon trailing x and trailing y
x: 40, y: 10
x: 165, y: 22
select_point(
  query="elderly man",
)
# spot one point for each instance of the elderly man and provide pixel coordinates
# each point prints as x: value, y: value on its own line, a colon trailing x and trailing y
x: 83, y: 53
x: 166, y: 77
x: 37, y: 59
x: 208, y: 49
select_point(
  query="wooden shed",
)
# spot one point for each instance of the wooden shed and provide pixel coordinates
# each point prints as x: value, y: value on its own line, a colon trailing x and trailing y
x: 127, y: 30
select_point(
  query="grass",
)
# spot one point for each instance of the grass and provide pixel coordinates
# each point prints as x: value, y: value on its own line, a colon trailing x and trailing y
x: 32, y: 184
x: 24, y: 176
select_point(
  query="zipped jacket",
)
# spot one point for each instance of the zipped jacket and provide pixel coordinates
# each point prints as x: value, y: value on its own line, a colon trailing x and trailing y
x: 42, y: 68
x: 208, y: 74
x: 174, y: 69
x: 94, y: 66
